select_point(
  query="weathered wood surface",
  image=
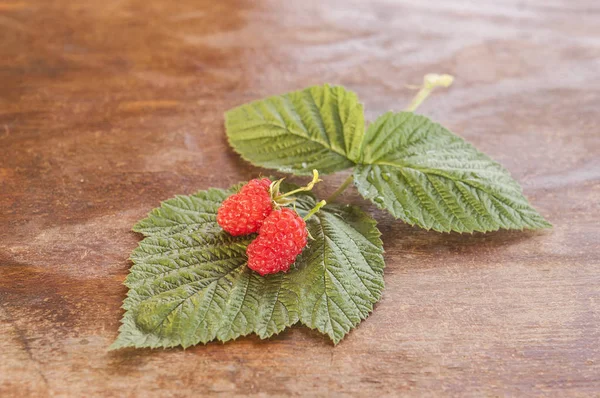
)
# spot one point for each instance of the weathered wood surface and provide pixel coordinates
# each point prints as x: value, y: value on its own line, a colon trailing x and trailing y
x: 108, y: 107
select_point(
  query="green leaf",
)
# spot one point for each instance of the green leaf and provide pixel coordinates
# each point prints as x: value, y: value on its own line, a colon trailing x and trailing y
x: 195, y: 287
x: 321, y: 128
x: 190, y: 284
x: 186, y: 214
x: 423, y: 174
x: 340, y: 276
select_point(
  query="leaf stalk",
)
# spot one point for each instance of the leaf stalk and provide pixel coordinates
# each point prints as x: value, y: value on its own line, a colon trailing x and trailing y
x: 315, y: 209
x: 342, y: 188
x: 430, y: 82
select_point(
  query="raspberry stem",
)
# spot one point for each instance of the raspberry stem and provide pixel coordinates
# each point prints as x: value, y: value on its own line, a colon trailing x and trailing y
x: 430, y: 82
x: 282, y: 199
x: 315, y: 209
x: 308, y: 187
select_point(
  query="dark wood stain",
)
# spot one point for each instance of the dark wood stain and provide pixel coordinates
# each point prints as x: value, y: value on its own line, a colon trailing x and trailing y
x: 109, y: 107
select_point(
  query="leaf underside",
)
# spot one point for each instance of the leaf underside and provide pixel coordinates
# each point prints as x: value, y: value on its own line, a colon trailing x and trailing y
x: 190, y: 284
x: 425, y: 175
x: 321, y: 128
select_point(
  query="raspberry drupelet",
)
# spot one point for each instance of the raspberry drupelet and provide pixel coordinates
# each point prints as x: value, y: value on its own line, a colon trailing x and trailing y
x: 243, y: 213
x: 281, y: 239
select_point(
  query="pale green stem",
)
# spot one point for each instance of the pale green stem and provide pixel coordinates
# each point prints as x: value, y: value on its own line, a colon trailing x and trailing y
x: 430, y: 82
x: 302, y: 189
x: 341, y: 189
x: 315, y: 210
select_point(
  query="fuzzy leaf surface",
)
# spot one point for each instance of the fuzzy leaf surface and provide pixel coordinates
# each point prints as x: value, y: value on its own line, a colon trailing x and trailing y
x: 190, y: 282
x: 425, y: 175
x: 320, y: 127
x: 339, y: 277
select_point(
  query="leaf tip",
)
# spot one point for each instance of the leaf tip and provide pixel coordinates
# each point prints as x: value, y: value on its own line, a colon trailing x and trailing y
x: 118, y: 344
x: 545, y: 224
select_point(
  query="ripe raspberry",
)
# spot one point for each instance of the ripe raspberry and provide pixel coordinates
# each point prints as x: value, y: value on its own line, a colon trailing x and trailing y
x: 280, y: 240
x: 243, y: 213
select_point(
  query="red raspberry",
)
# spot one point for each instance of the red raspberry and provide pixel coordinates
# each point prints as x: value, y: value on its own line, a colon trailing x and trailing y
x: 280, y: 240
x: 244, y: 212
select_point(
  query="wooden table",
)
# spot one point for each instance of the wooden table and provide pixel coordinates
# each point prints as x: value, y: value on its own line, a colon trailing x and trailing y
x: 108, y: 107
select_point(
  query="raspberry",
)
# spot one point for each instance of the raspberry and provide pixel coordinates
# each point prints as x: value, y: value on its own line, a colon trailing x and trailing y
x: 280, y: 240
x: 244, y: 212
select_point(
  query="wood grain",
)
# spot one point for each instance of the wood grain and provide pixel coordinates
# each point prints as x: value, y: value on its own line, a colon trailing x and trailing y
x: 108, y: 107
